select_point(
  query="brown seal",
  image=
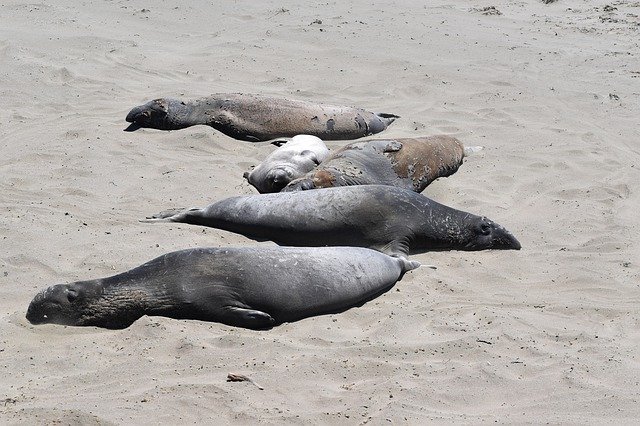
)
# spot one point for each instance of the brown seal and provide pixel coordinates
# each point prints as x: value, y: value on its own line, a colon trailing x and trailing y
x: 257, y: 118
x: 410, y: 163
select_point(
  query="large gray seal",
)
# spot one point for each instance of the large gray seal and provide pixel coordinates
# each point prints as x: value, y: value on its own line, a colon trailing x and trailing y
x: 392, y: 220
x: 256, y: 118
x: 289, y: 161
x: 248, y: 287
x: 410, y: 163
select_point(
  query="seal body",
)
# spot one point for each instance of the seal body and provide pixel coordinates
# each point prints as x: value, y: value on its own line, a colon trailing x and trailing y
x: 410, y: 163
x: 255, y: 118
x: 393, y: 220
x: 246, y: 287
x: 288, y: 162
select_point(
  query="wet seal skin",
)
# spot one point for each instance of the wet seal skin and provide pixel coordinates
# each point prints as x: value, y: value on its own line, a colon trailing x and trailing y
x: 393, y: 220
x: 251, y: 287
x: 290, y: 161
x: 257, y: 118
x: 410, y: 163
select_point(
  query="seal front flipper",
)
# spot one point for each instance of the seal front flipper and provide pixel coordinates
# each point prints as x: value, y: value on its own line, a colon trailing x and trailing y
x: 301, y: 184
x: 398, y: 247
x: 248, y: 318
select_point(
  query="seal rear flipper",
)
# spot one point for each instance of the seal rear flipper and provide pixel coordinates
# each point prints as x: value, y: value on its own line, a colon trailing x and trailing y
x: 387, y: 118
x: 170, y: 215
x: 280, y: 141
x: 248, y: 318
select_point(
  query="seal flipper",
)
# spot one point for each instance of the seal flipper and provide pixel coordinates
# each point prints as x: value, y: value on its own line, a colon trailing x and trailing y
x: 279, y: 142
x: 248, y: 318
x: 300, y: 184
x: 311, y: 156
x: 171, y: 215
x: 398, y: 247
x: 387, y: 118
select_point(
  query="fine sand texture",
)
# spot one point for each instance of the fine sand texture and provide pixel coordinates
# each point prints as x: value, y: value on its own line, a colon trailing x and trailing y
x: 549, y: 334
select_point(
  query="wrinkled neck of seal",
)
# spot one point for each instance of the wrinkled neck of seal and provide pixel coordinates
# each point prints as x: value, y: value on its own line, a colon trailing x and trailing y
x: 182, y: 114
x: 115, y: 302
x: 447, y: 228
x: 123, y: 300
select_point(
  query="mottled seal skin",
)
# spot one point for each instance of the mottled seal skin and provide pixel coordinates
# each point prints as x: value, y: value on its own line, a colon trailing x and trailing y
x: 288, y: 162
x: 248, y: 287
x: 392, y: 220
x: 256, y: 118
x: 410, y: 163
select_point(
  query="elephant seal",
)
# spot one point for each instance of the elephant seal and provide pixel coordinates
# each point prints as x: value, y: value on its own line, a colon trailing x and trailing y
x: 392, y: 220
x: 247, y: 287
x: 410, y: 163
x: 257, y: 118
x: 288, y: 162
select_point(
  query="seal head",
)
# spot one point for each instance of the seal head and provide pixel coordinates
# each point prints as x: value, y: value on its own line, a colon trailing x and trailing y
x: 162, y: 114
x: 62, y: 303
x: 289, y: 161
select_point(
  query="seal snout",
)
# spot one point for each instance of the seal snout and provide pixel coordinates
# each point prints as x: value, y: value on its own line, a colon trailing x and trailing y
x: 503, y: 239
x: 133, y: 117
x: 48, y: 305
x: 35, y: 314
x: 489, y: 235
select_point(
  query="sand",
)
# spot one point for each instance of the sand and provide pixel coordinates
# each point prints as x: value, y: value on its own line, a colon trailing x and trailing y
x: 547, y: 334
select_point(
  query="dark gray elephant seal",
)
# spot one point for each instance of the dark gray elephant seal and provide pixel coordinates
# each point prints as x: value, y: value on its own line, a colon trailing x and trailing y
x: 410, y: 163
x: 256, y: 118
x: 392, y: 220
x: 289, y: 161
x: 248, y: 287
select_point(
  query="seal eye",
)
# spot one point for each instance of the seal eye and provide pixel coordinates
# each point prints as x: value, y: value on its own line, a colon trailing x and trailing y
x: 485, y: 228
x: 72, y: 295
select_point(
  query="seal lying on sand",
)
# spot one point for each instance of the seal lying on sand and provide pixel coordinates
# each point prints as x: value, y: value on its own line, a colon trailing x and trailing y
x: 290, y: 161
x: 385, y: 218
x: 245, y: 287
x: 259, y: 118
x: 410, y: 163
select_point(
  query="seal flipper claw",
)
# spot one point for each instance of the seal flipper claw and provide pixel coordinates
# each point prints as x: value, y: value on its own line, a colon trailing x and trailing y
x: 248, y: 318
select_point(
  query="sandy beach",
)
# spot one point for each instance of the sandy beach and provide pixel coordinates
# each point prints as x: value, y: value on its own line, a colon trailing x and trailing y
x: 547, y: 334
